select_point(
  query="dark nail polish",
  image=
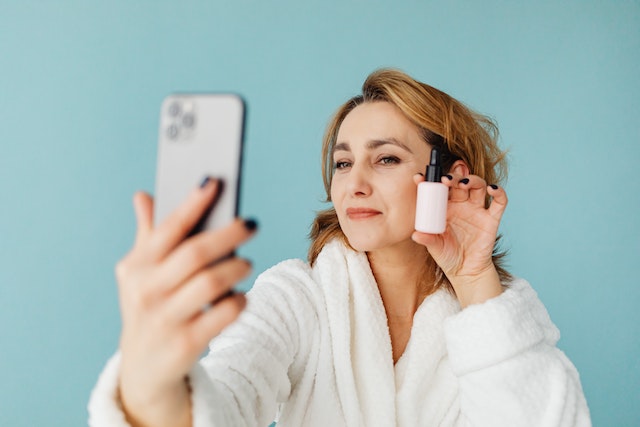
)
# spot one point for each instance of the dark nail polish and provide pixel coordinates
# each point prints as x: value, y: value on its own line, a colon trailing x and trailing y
x: 250, y: 224
x: 205, y: 181
x: 227, y: 294
x: 449, y: 177
x: 495, y: 187
x: 464, y: 181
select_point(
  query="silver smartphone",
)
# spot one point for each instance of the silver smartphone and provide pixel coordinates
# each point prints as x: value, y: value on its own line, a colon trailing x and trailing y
x: 200, y: 135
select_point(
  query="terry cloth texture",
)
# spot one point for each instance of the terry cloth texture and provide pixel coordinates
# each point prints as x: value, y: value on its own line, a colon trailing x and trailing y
x: 313, y: 348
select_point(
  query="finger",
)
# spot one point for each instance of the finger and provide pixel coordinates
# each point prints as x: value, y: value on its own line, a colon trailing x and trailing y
x: 458, y: 191
x: 207, y: 325
x: 180, y: 222
x: 206, y: 287
x: 426, y: 239
x: 447, y: 180
x: 418, y: 178
x: 143, y: 208
x: 499, y: 201
x: 477, y: 188
x: 433, y: 242
x: 202, y: 250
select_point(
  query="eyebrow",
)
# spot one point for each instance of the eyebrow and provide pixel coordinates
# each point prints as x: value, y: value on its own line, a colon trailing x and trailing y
x: 373, y: 144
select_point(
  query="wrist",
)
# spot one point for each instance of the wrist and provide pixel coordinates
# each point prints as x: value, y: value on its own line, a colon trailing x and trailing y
x: 477, y: 288
x: 167, y: 407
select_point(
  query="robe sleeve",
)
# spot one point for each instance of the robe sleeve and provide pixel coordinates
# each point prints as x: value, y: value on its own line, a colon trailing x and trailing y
x: 250, y: 366
x: 509, y: 369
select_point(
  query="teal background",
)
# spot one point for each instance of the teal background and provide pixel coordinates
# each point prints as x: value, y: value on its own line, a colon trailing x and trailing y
x: 80, y: 89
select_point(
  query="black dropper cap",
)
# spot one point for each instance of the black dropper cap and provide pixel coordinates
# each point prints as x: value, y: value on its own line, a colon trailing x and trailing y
x: 434, y: 170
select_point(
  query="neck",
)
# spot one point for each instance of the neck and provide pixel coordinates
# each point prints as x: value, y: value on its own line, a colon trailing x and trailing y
x: 397, y: 270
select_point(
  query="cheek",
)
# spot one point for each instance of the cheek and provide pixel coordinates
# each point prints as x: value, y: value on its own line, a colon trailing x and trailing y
x: 333, y: 193
x: 403, y: 191
x: 405, y: 200
x: 336, y: 190
x: 336, y: 200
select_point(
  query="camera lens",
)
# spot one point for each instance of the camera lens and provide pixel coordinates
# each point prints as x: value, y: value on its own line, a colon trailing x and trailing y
x: 174, y: 109
x: 173, y: 131
x: 188, y: 120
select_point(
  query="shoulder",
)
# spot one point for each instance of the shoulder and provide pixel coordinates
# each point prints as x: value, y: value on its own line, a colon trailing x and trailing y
x: 299, y: 273
x: 296, y: 280
x: 290, y: 275
x: 288, y: 285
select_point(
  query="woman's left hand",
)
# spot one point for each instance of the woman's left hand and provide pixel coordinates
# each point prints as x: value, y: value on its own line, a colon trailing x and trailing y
x: 464, y: 251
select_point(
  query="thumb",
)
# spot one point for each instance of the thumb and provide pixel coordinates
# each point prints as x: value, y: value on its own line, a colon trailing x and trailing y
x: 433, y: 242
x: 143, y: 207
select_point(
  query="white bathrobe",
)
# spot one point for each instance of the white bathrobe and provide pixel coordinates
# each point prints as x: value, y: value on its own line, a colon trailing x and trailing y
x: 313, y: 349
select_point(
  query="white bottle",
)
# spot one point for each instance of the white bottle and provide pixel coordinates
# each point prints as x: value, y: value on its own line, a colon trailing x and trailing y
x: 433, y: 195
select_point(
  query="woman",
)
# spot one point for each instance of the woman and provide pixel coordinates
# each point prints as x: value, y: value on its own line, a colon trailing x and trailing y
x: 384, y: 326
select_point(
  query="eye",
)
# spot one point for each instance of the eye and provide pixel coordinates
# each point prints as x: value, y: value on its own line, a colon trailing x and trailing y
x: 389, y: 160
x: 341, y: 165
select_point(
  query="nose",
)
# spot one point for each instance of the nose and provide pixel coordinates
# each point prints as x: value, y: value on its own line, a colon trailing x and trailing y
x: 358, y: 182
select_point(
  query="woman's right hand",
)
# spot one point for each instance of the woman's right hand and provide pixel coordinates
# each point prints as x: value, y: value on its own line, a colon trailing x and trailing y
x: 166, y: 283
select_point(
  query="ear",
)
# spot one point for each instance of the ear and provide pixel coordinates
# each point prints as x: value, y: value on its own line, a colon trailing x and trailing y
x: 459, y: 168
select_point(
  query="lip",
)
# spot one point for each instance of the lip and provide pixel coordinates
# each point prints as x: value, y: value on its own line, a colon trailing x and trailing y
x: 362, y: 213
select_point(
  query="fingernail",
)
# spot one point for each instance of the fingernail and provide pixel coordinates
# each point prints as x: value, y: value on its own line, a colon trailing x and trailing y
x: 464, y: 181
x: 250, y: 224
x: 205, y: 181
x: 227, y: 294
x: 449, y: 177
x: 495, y: 187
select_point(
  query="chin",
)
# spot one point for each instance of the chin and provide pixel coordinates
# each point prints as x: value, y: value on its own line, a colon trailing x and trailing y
x: 373, y: 243
x: 361, y: 243
x: 368, y: 243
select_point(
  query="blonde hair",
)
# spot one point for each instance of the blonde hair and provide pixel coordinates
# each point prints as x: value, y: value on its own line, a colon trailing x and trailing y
x: 445, y: 123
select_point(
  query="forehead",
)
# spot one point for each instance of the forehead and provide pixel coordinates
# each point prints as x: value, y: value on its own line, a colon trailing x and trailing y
x: 378, y: 120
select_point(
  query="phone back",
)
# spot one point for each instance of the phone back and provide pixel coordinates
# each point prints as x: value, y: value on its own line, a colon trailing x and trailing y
x: 200, y: 135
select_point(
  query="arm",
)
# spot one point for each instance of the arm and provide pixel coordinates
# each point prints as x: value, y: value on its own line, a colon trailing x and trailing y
x: 510, y: 371
x: 502, y: 346
x: 248, y: 368
x: 464, y: 251
x: 164, y: 282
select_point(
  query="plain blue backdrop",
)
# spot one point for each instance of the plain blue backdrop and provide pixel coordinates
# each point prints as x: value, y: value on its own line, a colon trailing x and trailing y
x: 80, y: 88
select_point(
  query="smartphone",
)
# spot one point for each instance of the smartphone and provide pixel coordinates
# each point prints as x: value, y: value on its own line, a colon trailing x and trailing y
x: 200, y: 135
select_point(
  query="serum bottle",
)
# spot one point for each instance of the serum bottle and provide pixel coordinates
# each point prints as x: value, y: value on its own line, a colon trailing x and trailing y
x: 433, y: 195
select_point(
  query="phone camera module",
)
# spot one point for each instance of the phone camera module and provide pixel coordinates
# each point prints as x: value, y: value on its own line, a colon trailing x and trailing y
x: 180, y: 120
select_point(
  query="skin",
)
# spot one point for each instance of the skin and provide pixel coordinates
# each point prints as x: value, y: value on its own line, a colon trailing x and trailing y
x: 378, y: 157
x: 166, y: 278
x: 164, y: 282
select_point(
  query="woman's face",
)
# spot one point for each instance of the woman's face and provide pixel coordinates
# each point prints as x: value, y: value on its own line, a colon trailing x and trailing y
x: 377, y: 153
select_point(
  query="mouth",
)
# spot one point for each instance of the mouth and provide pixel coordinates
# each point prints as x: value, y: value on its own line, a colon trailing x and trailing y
x: 362, y: 213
